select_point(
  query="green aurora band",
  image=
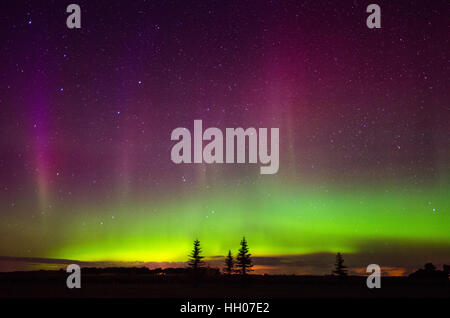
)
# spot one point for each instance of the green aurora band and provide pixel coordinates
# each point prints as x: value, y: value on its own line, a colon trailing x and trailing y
x: 276, y: 220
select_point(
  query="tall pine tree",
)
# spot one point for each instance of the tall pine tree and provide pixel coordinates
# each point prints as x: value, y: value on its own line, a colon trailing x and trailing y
x: 243, y: 260
x: 195, y: 258
x: 339, y: 268
x: 229, y: 264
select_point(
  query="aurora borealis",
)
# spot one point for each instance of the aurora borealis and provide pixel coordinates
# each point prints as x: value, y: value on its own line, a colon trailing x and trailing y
x: 363, y: 116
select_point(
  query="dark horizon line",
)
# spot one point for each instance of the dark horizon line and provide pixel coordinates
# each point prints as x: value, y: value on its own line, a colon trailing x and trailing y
x: 177, y: 265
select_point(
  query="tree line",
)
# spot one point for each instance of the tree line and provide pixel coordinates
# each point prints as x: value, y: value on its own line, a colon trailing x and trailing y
x: 242, y: 262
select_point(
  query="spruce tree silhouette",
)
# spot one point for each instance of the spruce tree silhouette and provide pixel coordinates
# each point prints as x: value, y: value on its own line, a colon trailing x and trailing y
x: 243, y: 260
x: 339, y: 268
x: 229, y: 264
x: 195, y: 258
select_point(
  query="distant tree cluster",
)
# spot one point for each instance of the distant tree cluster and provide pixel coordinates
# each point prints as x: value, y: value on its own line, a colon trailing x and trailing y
x: 429, y: 271
x: 241, y: 264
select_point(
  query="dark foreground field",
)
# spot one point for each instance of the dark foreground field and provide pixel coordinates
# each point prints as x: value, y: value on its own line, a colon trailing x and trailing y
x: 53, y: 284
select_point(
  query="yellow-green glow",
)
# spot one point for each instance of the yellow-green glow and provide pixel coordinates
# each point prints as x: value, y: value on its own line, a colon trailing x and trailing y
x: 276, y: 220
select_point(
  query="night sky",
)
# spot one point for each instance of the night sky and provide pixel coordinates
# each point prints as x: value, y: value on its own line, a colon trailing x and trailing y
x: 364, y: 114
